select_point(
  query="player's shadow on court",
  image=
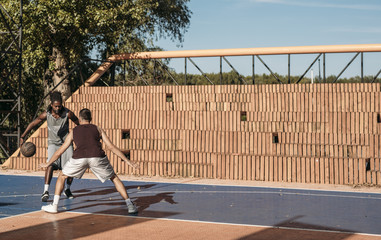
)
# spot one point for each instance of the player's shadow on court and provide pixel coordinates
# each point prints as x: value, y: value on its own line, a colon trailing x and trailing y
x: 142, y: 203
x: 105, y: 191
x: 145, y: 202
x: 2, y: 204
x: 99, y: 203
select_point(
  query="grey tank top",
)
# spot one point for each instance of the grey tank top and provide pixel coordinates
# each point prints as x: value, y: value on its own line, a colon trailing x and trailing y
x: 58, y: 128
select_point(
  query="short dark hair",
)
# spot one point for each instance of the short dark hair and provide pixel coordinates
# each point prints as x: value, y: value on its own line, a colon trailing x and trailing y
x: 55, y: 97
x: 85, y: 114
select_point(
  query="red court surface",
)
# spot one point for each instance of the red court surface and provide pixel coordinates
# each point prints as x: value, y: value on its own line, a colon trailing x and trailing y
x: 40, y: 225
x: 173, y: 209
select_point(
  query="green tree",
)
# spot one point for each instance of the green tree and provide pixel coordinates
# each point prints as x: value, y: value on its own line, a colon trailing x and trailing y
x: 58, y: 33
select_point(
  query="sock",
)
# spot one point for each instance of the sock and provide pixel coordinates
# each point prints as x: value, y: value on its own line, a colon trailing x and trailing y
x: 56, y: 199
x: 46, y: 187
x: 128, y: 201
x: 67, y: 186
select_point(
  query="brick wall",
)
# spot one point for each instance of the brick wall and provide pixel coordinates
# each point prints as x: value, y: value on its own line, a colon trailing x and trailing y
x: 310, y: 133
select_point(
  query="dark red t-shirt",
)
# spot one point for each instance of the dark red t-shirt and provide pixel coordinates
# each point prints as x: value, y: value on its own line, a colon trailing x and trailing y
x: 87, y: 141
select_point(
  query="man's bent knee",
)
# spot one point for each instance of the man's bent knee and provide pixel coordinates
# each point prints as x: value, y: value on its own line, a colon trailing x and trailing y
x: 63, y: 176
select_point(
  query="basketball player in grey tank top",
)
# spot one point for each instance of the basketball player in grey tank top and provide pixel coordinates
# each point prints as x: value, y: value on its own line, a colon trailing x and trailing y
x: 58, y: 127
x: 57, y: 117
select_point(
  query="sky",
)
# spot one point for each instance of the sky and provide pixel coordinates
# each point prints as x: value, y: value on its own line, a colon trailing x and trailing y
x: 221, y: 24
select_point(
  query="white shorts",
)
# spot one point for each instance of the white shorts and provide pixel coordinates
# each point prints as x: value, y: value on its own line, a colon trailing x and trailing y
x: 101, y: 167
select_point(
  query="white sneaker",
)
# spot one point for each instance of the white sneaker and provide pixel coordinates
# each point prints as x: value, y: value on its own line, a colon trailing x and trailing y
x: 132, y: 209
x: 51, y: 208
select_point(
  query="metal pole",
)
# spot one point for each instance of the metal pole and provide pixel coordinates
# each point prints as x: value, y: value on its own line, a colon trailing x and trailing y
x: 220, y: 70
x: 319, y: 72
x: 362, y: 67
x: 20, y: 82
x: 312, y: 75
x: 253, y: 62
x: 154, y: 73
x: 185, y: 70
x: 289, y: 68
x: 325, y: 80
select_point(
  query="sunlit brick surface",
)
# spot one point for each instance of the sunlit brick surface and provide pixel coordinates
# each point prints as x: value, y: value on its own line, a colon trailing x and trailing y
x: 308, y: 133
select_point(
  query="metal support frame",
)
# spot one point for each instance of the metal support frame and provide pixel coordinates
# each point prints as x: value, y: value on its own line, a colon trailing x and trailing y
x: 273, y: 74
x: 318, y: 58
x: 11, y: 70
x: 375, y: 77
x: 362, y: 67
x: 324, y: 76
x: 289, y: 68
x: 188, y: 54
x: 239, y: 75
x: 124, y: 73
x: 345, y: 68
x: 166, y: 69
x: 253, y: 68
x: 138, y: 74
x: 301, y: 77
x: 203, y: 74
x: 185, y: 70
x: 220, y: 70
x: 319, y: 70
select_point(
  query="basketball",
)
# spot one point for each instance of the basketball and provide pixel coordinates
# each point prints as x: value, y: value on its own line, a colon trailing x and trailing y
x: 28, y: 149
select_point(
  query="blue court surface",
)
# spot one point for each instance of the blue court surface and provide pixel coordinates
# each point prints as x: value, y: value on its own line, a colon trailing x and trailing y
x: 350, y: 212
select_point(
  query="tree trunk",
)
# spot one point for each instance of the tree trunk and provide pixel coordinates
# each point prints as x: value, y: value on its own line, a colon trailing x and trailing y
x: 61, y: 71
x: 52, y: 78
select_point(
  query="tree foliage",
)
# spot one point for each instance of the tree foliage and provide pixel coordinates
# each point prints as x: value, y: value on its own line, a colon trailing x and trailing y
x: 58, y: 33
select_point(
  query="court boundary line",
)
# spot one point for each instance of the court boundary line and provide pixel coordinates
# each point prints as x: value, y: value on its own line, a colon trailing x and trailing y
x: 20, y: 195
x: 248, y: 186
x: 233, y: 224
x: 195, y: 221
x: 228, y: 185
x: 190, y: 181
x: 222, y: 185
x: 263, y: 192
x: 19, y: 215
